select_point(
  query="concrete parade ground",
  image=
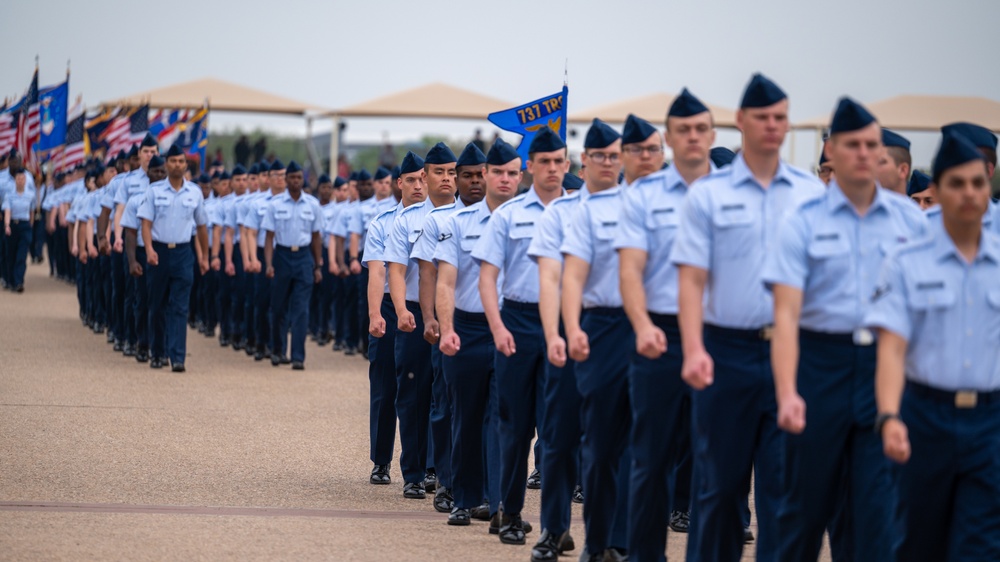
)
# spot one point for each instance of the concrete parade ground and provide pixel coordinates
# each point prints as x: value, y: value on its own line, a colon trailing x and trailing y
x: 103, y: 458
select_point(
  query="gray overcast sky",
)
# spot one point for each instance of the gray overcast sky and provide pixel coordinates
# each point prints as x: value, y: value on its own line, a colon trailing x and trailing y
x: 334, y: 53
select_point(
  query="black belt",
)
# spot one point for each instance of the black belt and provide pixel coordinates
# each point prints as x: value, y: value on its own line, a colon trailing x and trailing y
x: 605, y: 310
x: 171, y: 246
x: 862, y: 337
x: 669, y: 320
x: 471, y: 316
x: 518, y: 305
x: 961, y: 399
x: 18, y: 221
x: 290, y: 248
x: 763, y: 333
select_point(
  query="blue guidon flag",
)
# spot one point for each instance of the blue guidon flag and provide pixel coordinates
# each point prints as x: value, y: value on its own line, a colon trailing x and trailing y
x: 526, y: 120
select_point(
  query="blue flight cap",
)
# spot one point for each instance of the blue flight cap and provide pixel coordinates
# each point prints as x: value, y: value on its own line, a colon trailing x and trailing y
x: 363, y: 175
x: 157, y: 161
x: 263, y: 167
x: 395, y: 173
x: 471, y: 156
x: 323, y: 179
x: 175, y: 150
x: 411, y: 163
x: 382, y: 173
x: 203, y: 178
x: 849, y: 116
x: 979, y: 136
x: 822, y: 154
x: 293, y: 167
x: 955, y: 150
x: 636, y: 130
x: 892, y: 138
x: 121, y: 155
x: 339, y: 182
x: 572, y: 181
x: 686, y: 105
x: 761, y: 92
x: 225, y: 176
x: 253, y: 169
x: 149, y: 140
x: 721, y: 156
x: 239, y: 170
x: 60, y: 176
x: 134, y: 151
x: 216, y: 175
x: 276, y: 166
x: 501, y: 152
x: 353, y: 176
x: 600, y: 135
x: 919, y: 181
x: 546, y: 140
x: 440, y: 154
x: 99, y: 170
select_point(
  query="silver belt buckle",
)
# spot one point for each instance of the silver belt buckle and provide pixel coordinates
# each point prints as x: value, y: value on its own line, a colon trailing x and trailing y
x: 171, y: 246
x: 766, y: 333
x: 863, y: 337
x: 294, y: 248
x: 966, y: 399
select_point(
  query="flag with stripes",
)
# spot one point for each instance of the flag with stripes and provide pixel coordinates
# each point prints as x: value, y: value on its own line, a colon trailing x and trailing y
x: 8, y: 129
x: 166, y: 125
x: 95, y: 129
x: 74, y: 152
x: 29, y: 125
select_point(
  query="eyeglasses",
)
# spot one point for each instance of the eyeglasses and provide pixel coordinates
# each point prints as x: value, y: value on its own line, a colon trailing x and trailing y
x: 601, y: 157
x: 634, y: 150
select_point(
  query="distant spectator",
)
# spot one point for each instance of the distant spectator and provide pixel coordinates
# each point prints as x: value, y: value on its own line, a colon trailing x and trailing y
x: 259, y: 149
x: 387, y: 157
x: 242, y: 151
x: 218, y: 159
x: 343, y: 168
x: 478, y: 141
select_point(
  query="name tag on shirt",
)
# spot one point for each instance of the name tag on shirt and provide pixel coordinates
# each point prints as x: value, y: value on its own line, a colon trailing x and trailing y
x: 827, y: 237
x: 307, y: 215
x: 930, y: 285
x: 161, y: 200
x: 282, y: 214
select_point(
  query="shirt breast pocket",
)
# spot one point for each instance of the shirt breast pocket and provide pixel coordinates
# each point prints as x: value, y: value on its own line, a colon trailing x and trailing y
x: 930, y: 299
x: 662, y: 218
x: 735, y: 235
x: 162, y: 201
x: 522, y: 228
x: 282, y: 214
x: 605, y: 231
x: 189, y: 202
x: 468, y: 243
x: 413, y: 236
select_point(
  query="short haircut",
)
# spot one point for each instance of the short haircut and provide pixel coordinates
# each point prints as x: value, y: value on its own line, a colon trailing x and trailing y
x: 711, y: 121
x: 900, y: 155
x: 990, y: 154
x: 531, y: 155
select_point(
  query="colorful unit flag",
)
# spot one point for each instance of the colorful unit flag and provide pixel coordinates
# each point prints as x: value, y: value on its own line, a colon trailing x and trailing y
x: 527, y: 119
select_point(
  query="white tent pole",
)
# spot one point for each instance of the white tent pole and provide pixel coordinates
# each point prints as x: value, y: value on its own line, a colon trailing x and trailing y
x: 310, y: 148
x: 334, y: 145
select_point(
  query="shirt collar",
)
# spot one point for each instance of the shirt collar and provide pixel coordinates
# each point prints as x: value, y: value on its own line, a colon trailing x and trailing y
x: 836, y: 199
x: 742, y: 174
x: 531, y: 197
x: 944, y: 247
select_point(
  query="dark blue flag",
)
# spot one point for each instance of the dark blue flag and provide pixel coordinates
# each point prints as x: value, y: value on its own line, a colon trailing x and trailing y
x: 53, y: 104
x: 526, y: 120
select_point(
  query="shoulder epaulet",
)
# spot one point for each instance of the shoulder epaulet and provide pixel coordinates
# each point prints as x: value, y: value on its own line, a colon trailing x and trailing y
x: 442, y: 208
x: 914, y: 245
x: 466, y: 210
x: 571, y: 198
x: 384, y: 213
x: 411, y: 208
x: 512, y: 201
x: 811, y: 202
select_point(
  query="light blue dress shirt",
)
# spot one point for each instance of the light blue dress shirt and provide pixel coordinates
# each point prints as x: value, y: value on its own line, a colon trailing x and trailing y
x: 20, y: 205
x: 174, y: 213
x: 554, y: 224
x: 130, y: 217
x: 375, y: 240
x: 947, y: 309
x: 729, y: 224
x: 363, y: 213
x: 649, y: 221
x: 255, y: 216
x: 406, y: 230
x: 424, y: 248
x: 505, y: 243
x: 833, y: 255
x: 229, y: 216
x: 131, y: 184
x: 590, y: 236
x: 293, y: 222
x: 459, y: 235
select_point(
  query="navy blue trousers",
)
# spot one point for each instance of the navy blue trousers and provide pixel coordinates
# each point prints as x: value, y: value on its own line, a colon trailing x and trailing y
x: 324, y: 306
x: 735, y: 432
x: 837, y: 457
x: 238, y: 297
x: 950, y: 487
x: 362, y: 315
x: 469, y: 375
x: 17, y: 251
x: 104, y: 290
x: 262, y: 307
x: 414, y: 378
x: 660, y: 431
x: 606, y: 419
x: 117, y: 303
x: 140, y: 301
x: 440, y: 421
x: 170, y: 284
x: 292, y: 285
x: 520, y: 380
x: 128, y: 302
x: 223, y: 302
x: 382, y: 387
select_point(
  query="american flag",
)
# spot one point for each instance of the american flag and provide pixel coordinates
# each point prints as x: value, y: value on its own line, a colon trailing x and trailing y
x: 8, y: 130
x: 29, y: 124
x: 74, y: 153
x: 118, y: 134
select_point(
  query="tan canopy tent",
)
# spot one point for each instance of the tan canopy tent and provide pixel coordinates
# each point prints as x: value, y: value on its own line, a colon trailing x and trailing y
x: 220, y: 95
x: 924, y: 113
x: 652, y: 108
x: 432, y: 101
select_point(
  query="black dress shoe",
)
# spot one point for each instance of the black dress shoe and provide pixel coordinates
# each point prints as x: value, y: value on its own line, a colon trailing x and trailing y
x: 209, y: 332
x: 250, y: 349
x: 129, y: 350
x: 615, y: 554
x: 177, y: 367
x: 19, y: 289
x: 156, y: 363
x: 481, y: 512
x: 338, y: 346
x: 747, y: 535
x: 285, y: 360
x: 111, y: 337
x: 142, y: 355
x: 97, y: 328
x: 258, y: 355
x: 430, y: 480
x: 588, y: 557
x: 118, y: 346
x: 535, y: 480
x: 495, y: 524
x: 550, y: 546
x: 459, y: 517
x: 444, y: 502
x: 380, y: 475
x: 223, y: 341
x: 275, y: 360
x: 578, y: 494
x: 237, y: 345
x: 297, y: 366
x: 350, y: 350
x: 414, y: 491
x: 511, y: 531
x: 680, y: 521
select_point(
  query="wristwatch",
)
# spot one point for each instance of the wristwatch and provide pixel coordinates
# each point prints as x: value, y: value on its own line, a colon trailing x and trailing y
x: 881, y: 419
x: 354, y: 258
